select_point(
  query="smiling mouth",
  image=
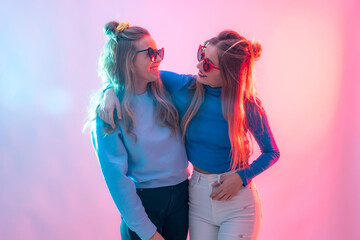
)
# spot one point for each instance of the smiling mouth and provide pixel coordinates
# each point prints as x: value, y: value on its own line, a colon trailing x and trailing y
x: 155, y: 68
x: 201, y: 75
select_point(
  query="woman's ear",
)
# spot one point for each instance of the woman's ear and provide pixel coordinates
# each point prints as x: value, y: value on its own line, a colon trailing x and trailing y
x: 131, y: 67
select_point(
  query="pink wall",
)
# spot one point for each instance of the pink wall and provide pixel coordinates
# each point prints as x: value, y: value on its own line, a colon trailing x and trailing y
x: 51, y: 186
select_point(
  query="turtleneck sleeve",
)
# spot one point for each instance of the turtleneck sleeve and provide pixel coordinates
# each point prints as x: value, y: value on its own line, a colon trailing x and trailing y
x: 260, y: 129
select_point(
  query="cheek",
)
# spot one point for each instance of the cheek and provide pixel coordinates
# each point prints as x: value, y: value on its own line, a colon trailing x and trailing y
x: 146, y: 65
x: 142, y: 64
x: 143, y: 67
x: 218, y: 76
x: 215, y: 79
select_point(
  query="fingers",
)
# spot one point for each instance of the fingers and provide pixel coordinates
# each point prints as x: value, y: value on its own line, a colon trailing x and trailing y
x: 107, y: 106
x: 111, y: 118
x: 218, y: 182
x: 226, y: 197
x: 221, y: 196
x: 230, y: 197
x: 224, y: 190
x: 107, y: 116
x: 117, y: 105
x: 101, y: 114
x: 215, y: 194
x: 215, y: 184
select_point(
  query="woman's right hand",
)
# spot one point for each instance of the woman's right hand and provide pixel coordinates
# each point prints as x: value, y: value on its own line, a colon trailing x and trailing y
x: 156, y: 236
x: 107, y: 107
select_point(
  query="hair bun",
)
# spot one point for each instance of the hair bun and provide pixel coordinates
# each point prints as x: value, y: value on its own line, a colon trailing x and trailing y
x: 113, y: 28
x: 122, y: 26
x: 256, y: 50
x: 110, y: 29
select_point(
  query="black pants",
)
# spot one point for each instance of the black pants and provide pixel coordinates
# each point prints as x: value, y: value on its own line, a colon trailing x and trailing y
x: 168, y: 210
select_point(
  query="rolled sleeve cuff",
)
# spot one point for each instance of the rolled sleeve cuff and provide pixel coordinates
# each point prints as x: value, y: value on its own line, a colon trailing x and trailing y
x: 146, y: 230
x: 245, y: 180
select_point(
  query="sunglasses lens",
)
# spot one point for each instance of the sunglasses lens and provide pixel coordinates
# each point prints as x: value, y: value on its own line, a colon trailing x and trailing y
x: 152, y: 54
x: 200, y: 54
x: 206, y: 66
x: 161, y: 53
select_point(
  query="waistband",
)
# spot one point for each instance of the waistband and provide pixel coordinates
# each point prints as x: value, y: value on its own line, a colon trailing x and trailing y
x: 171, y: 187
x: 211, y: 178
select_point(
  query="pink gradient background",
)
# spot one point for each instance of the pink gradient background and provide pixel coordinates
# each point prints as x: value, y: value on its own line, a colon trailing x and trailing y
x: 51, y: 186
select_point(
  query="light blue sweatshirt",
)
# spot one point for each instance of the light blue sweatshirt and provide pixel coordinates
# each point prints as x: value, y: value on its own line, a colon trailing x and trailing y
x: 156, y: 160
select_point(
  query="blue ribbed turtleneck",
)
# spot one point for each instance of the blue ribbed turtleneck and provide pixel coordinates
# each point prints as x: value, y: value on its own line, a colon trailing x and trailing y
x: 207, y: 141
x: 213, y: 91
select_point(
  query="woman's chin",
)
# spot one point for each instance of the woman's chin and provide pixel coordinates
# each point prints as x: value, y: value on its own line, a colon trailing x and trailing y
x: 201, y: 79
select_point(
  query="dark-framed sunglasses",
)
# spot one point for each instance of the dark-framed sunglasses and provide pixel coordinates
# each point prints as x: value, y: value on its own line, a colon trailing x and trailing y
x: 207, y: 66
x: 153, y: 53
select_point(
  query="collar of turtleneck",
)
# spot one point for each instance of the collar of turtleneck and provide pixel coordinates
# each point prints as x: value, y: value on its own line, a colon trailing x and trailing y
x: 213, y: 91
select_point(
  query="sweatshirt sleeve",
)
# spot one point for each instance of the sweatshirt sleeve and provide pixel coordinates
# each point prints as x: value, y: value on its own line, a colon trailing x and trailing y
x: 260, y: 129
x: 113, y: 161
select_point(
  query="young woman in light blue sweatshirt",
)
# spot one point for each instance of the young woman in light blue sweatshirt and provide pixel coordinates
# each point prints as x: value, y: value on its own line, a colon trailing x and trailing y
x: 219, y: 112
x: 142, y: 158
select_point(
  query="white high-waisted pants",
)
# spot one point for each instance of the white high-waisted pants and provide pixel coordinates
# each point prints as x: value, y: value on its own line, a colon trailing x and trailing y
x: 238, y: 218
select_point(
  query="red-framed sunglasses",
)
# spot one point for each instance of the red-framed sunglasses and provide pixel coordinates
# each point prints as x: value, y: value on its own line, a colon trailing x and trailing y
x: 206, y: 64
x: 153, y: 53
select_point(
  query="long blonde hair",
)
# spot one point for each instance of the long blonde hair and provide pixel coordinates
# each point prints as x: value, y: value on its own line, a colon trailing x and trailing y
x: 237, y: 56
x: 115, y: 68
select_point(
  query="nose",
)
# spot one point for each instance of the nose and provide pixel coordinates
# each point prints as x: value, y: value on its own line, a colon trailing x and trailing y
x: 157, y: 58
x: 199, y: 65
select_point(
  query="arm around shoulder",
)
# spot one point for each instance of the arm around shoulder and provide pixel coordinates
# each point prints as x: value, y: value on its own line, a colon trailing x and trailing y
x: 174, y: 82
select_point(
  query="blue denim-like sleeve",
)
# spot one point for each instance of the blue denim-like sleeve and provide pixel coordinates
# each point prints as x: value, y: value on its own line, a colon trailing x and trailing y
x: 260, y: 129
x: 173, y: 81
x: 113, y: 161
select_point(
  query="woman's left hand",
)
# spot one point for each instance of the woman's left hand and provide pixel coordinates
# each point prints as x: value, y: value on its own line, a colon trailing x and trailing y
x: 230, y: 185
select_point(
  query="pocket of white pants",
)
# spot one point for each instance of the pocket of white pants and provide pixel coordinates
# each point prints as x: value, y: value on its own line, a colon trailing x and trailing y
x: 192, y: 182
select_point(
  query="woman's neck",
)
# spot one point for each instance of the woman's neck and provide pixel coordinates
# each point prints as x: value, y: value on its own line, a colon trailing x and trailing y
x: 140, y: 88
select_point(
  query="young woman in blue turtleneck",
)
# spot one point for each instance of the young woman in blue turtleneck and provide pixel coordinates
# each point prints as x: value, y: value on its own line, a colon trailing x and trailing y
x: 218, y: 109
